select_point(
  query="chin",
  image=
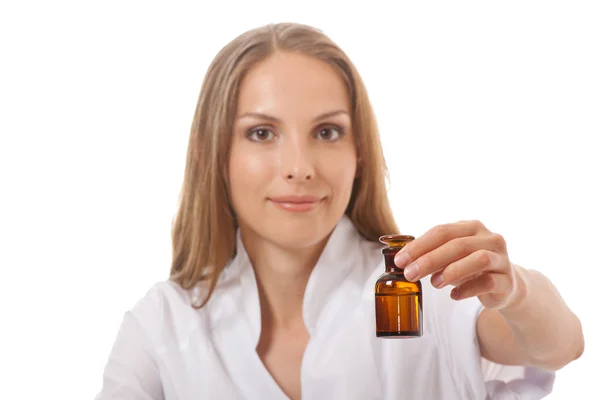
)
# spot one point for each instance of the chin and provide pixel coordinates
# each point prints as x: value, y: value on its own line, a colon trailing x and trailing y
x: 294, y: 231
x: 290, y: 227
x: 300, y: 231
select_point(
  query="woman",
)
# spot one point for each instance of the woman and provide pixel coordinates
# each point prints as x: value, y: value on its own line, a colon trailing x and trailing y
x: 276, y: 254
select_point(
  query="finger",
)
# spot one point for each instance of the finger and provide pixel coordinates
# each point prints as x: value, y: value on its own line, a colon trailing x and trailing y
x: 467, y: 268
x: 498, y: 286
x: 434, y: 238
x: 448, y: 253
x: 460, y: 282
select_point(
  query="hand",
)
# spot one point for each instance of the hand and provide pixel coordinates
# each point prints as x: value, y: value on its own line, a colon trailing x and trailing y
x: 468, y: 256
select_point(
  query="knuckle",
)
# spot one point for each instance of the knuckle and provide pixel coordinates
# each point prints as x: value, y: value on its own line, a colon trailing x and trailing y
x: 484, y: 258
x: 498, y: 241
x: 442, y: 231
x: 460, y: 247
x: 450, y: 275
x: 477, y: 224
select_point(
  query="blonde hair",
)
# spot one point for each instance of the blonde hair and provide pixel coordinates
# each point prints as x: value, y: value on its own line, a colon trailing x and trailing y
x: 204, y: 228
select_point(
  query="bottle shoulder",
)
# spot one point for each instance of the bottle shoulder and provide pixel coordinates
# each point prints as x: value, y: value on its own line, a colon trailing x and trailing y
x: 396, y: 283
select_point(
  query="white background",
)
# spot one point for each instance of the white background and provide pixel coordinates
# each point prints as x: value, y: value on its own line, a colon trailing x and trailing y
x: 487, y: 110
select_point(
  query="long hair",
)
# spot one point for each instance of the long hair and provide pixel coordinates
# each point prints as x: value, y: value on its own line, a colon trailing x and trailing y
x: 204, y: 228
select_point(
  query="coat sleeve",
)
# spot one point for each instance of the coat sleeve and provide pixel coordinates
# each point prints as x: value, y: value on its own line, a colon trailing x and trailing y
x: 475, y: 376
x: 131, y: 372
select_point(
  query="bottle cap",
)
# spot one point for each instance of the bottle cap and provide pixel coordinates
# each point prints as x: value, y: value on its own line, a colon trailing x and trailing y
x: 396, y: 241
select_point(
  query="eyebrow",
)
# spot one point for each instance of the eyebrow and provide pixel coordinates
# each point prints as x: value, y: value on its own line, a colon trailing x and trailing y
x: 277, y: 120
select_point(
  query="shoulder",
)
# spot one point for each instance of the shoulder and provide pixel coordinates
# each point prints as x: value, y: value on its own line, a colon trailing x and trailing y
x: 161, y: 299
x: 369, y: 255
x: 167, y: 316
x: 164, y: 312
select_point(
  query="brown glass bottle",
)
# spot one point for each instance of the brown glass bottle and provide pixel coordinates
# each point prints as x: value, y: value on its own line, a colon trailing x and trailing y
x: 398, y: 302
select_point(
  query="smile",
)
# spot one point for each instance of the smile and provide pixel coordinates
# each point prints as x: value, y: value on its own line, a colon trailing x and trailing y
x: 297, y: 203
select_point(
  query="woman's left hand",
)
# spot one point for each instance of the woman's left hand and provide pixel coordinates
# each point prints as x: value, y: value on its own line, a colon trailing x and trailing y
x: 468, y: 256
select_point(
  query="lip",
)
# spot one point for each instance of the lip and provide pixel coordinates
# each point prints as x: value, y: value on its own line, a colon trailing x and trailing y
x: 296, y: 203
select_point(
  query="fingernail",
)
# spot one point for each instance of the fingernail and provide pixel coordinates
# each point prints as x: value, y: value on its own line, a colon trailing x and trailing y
x: 454, y: 293
x: 401, y: 259
x: 411, y: 272
x: 437, y: 280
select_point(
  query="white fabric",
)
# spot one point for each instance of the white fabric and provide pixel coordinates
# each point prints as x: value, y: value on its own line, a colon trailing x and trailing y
x: 165, y: 349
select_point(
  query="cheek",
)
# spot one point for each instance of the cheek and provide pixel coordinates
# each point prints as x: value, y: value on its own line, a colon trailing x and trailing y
x: 249, y: 172
x: 340, y: 172
x: 249, y: 164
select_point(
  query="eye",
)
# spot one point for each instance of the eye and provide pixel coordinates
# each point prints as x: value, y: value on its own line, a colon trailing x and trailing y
x: 260, y: 134
x: 331, y: 133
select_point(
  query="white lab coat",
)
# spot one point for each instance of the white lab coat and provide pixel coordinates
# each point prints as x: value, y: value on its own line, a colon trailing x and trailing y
x: 165, y: 349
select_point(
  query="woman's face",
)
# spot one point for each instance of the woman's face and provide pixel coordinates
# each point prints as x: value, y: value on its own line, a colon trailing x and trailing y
x: 293, y: 158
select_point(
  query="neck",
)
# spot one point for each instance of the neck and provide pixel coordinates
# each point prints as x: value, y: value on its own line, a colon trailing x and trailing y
x: 281, y: 275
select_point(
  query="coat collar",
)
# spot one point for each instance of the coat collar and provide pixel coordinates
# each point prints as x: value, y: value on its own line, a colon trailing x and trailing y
x: 333, y: 266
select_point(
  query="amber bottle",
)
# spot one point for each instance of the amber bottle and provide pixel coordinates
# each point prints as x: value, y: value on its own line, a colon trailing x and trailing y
x: 398, y: 302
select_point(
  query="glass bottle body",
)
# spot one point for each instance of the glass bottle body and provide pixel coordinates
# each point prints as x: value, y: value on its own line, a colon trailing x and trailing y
x: 398, y: 302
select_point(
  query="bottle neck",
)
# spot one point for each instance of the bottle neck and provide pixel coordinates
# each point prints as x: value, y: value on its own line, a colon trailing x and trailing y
x: 390, y: 266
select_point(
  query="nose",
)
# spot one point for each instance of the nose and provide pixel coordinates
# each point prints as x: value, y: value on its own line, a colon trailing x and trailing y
x: 297, y: 160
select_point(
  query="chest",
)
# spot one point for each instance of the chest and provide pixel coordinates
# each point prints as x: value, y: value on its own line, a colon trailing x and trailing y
x: 281, y: 353
x: 341, y: 359
x: 347, y: 363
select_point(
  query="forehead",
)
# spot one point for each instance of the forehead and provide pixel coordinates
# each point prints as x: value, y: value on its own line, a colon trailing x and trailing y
x: 290, y: 84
